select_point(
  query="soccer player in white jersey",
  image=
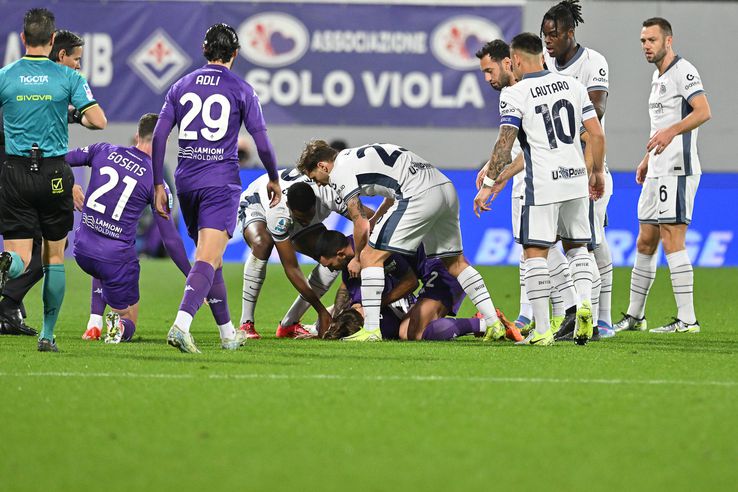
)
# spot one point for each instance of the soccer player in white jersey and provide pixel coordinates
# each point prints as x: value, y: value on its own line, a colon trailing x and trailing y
x: 425, y: 210
x: 545, y: 111
x: 670, y: 173
x: 294, y: 225
x: 563, y: 55
x: 496, y: 65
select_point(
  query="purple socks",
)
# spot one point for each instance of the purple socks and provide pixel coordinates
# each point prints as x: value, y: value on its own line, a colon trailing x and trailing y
x: 129, y: 328
x: 218, y: 299
x: 197, y: 286
x: 97, y: 305
x: 450, y: 328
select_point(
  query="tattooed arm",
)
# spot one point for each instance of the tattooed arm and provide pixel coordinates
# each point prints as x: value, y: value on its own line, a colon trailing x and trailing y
x: 501, y: 155
x: 498, y: 167
x: 357, y: 214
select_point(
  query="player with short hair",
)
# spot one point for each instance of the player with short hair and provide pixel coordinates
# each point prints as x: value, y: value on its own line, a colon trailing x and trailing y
x: 335, y: 252
x: 294, y: 225
x: 563, y: 55
x: 66, y: 50
x: 670, y: 174
x: 425, y: 210
x: 496, y: 65
x: 209, y: 105
x: 36, y: 184
x: 121, y: 187
x: 545, y: 111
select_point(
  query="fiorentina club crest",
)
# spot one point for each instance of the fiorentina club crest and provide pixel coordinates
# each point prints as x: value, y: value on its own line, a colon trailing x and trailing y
x: 159, y: 61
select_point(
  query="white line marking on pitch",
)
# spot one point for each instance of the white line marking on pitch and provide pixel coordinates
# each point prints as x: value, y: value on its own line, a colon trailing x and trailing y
x: 338, y: 377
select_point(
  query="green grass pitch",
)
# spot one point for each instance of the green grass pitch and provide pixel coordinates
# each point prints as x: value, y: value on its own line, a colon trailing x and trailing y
x: 636, y: 412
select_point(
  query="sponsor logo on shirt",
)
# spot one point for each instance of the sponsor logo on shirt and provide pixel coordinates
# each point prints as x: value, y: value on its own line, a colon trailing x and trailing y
x: 273, y: 39
x: 159, y: 61
x: 33, y: 97
x: 568, y: 172
x: 455, y: 41
x: 201, y: 153
x: 34, y: 79
x: 88, y: 92
x: 102, y: 226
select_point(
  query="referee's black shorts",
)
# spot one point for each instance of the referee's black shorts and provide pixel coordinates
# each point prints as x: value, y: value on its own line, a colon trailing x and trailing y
x: 36, y: 203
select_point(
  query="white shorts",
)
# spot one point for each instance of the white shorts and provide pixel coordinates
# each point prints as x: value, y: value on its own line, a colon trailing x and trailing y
x: 516, y: 206
x: 668, y: 200
x: 598, y: 216
x: 540, y: 225
x: 250, y: 210
x: 431, y: 217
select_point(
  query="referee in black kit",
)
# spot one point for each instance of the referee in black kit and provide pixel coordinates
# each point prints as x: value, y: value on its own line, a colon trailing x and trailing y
x: 35, y: 182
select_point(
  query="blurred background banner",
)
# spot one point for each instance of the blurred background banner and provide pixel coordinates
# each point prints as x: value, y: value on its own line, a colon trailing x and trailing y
x: 402, y: 64
x: 488, y: 240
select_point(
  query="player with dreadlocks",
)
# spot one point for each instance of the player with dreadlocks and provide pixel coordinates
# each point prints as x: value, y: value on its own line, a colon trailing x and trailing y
x: 563, y: 55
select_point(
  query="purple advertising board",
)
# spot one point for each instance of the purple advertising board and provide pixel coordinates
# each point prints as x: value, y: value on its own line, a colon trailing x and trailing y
x: 310, y: 63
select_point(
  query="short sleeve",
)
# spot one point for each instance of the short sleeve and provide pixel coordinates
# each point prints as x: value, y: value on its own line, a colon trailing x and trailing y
x: 598, y: 76
x: 344, y: 182
x: 689, y: 83
x: 332, y: 200
x: 279, y: 222
x: 80, y: 93
x: 511, y: 113
x: 588, y: 109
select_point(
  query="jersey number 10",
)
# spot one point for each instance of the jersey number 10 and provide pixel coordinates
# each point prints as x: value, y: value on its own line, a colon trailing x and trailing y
x: 554, y: 126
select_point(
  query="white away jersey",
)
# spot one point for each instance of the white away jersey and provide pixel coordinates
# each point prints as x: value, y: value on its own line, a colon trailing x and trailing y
x: 548, y: 109
x: 668, y: 103
x: 383, y: 169
x: 279, y: 221
x: 587, y: 66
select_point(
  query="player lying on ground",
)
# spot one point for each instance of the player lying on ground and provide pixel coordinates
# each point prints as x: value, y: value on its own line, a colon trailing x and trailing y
x: 440, y: 295
x: 397, y: 294
x: 426, y: 210
x: 557, y: 186
x: 294, y: 225
x: 121, y: 187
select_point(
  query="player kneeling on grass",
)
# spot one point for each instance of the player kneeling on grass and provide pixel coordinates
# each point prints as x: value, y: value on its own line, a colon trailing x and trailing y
x: 121, y: 187
x: 294, y: 225
x: 336, y: 252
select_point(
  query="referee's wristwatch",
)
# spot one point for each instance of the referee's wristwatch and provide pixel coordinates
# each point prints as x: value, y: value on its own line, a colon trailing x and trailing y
x: 74, y: 116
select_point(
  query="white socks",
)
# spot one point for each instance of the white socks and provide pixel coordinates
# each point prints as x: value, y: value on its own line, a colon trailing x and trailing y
x: 254, y: 273
x: 682, y: 283
x: 596, y: 291
x: 603, y: 257
x: 561, y: 281
x: 96, y: 321
x: 526, y: 310
x: 581, y: 266
x: 372, y: 285
x: 538, y: 286
x: 183, y: 321
x: 473, y: 284
x: 227, y: 331
x: 641, y: 279
x: 320, y: 280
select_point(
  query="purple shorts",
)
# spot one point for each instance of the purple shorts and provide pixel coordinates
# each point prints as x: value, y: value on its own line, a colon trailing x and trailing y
x: 445, y: 289
x: 119, y: 280
x: 214, y: 207
x: 389, y: 324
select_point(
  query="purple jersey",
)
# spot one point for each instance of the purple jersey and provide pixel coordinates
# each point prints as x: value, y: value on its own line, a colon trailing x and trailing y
x: 209, y: 106
x: 395, y: 268
x: 438, y: 284
x: 121, y: 187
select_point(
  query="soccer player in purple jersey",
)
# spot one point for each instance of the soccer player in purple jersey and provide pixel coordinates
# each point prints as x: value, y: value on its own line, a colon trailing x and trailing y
x: 121, y: 187
x: 209, y: 105
x: 336, y: 252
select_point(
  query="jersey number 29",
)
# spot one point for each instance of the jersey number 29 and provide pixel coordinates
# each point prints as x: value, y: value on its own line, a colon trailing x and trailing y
x: 216, y: 128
